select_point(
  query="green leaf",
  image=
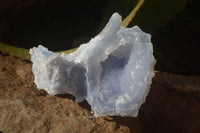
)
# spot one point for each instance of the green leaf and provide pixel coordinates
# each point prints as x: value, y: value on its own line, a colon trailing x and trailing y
x: 154, y: 14
x: 11, y: 50
x: 68, y: 51
x: 24, y: 53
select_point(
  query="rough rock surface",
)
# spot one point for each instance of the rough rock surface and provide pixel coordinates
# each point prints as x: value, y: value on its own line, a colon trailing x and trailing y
x: 173, y: 105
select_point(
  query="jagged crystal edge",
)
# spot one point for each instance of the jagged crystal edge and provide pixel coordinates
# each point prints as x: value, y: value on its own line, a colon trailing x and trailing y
x: 113, y: 71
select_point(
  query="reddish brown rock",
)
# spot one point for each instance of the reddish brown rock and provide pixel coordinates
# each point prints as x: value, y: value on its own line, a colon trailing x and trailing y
x: 172, y: 106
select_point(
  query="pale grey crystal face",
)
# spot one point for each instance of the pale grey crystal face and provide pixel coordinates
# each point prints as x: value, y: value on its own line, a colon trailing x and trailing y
x: 56, y: 75
x: 113, y: 71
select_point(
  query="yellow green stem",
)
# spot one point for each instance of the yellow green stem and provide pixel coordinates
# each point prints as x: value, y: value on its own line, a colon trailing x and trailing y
x: 132, y: 14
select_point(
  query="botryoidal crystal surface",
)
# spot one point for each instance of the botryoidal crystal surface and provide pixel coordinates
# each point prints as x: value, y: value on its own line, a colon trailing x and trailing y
x: 113, y: 71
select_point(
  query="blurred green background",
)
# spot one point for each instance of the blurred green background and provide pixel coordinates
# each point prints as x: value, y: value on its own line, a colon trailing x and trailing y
x: 61, y: 25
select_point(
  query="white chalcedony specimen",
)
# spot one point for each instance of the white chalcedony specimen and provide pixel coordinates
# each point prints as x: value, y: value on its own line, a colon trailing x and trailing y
x: 113, y: 71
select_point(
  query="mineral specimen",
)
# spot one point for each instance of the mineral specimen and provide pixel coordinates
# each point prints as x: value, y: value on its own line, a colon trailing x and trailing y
x: 113, y: 71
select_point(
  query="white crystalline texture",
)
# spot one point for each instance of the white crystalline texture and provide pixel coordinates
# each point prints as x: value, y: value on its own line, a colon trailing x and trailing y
x: 113, y: 71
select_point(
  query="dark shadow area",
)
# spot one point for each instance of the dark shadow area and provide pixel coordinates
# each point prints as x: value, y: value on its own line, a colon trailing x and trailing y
x: 58, y: 25
x: 176, y: 44
x: 66, y: 96
x: 132, y: 123
x: 83, y: 104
